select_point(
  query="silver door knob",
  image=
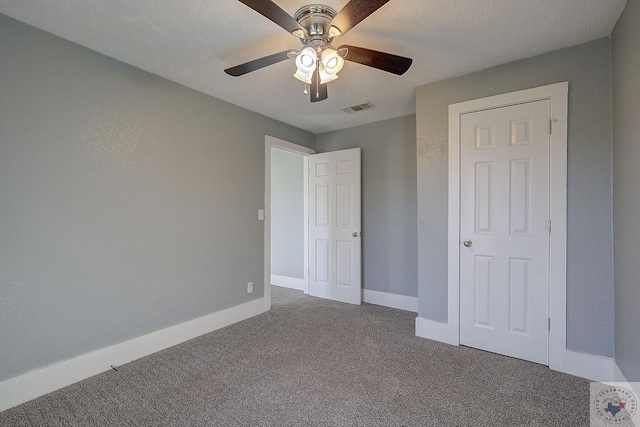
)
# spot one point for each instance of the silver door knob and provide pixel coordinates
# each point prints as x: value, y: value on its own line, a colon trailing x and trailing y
x: 467, y: 243
x: 354, y: 234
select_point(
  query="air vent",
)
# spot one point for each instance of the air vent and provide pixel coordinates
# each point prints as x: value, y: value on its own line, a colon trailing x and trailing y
x: 359, y: 107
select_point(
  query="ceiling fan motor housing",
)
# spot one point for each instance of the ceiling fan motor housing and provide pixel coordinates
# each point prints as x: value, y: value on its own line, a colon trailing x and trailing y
x: 315, y: 18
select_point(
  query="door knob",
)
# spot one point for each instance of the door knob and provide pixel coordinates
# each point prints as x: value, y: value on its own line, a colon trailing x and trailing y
x: 354, y: 234
x: 467, y: 243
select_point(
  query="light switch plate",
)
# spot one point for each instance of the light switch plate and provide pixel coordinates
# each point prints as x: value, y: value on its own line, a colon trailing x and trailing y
x: 260, y: 214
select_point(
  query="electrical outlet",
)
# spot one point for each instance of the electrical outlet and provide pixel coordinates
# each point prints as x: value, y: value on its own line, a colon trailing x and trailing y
x: 249, y: 287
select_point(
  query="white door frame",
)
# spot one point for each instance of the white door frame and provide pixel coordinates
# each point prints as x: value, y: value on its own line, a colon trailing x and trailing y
x: 269, y: 143
x: 558, y: 95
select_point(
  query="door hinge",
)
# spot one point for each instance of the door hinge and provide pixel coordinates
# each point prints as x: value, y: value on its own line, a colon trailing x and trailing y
x: 549, y: 324
x: 550, y: 127
x: 549, y: 226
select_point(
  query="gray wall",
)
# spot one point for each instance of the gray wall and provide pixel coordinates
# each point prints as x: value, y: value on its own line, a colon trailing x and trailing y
x: 590, y: 252
x: 128, y: 203
x: 389, y: 254
x: 626, y: 188
x: 287, y: 214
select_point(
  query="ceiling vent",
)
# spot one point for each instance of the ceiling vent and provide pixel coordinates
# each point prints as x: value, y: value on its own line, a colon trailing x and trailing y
x: 359, y: 107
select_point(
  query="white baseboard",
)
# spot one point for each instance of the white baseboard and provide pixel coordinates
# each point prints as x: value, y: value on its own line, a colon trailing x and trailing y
x: 23, y: 388
x: 401, y: 302
x: 589, y: 366
x: 289, y: 282
x: 437, y: 331
x: 619, y: 377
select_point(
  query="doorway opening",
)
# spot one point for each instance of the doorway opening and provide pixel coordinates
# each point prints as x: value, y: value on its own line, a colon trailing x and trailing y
x: 286, y: 201
x: 325, y: 190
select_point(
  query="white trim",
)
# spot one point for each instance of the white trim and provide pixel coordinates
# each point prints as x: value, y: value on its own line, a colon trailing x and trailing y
x: 620, y: 378
x: 36, y: 383
x: 618, y: 375
x: 271, y: 142
x: 453, y: 237
x: 386, y: 299
x: 436, y: 331
x: 557, y: 93
x: 589, y: 366
x: 288, y: 282
x: 305, y: 219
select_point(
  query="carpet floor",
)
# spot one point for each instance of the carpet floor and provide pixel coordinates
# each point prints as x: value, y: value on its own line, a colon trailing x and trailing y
x: 313, y: 362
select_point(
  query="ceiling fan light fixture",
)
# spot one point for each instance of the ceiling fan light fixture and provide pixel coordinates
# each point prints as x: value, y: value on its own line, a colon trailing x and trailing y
x: 326, y: 77
x: 330, y: 64
x: 303, y: 77
x: 306, y: 60
x: 332, y: 60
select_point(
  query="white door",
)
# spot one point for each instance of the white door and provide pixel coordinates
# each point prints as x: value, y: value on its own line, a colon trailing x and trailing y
x: 504, y: 230
x: 334, y: 226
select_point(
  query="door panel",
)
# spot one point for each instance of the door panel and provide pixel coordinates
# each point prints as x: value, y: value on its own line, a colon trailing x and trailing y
x: 334, y: 217
x: 321, y: 261
x: 519, y: 295
x: 484, y: 197
x: 321, y: 205
x: 520, y: 197
x: 504, y: 214
x: 483, y: 290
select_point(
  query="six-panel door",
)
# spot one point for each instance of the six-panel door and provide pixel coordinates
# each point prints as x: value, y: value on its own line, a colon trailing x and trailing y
x: 334, y: 226
x: 504, y: 230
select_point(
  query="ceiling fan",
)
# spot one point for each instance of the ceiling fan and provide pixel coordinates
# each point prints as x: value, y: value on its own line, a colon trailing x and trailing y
x: 316, y: 25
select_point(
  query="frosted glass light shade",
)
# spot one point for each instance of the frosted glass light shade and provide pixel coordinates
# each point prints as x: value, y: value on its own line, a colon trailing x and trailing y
x: 303, y: 77
x: 306, y: 60
x: 326, y: 77
x: 330, y: 64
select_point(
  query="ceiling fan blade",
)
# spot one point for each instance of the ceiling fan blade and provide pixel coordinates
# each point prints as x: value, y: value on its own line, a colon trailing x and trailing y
x: 272, y: 11
x: 256, y: 64
x: 317, y: 92
x: 382, y: 61
x: 354, y: 12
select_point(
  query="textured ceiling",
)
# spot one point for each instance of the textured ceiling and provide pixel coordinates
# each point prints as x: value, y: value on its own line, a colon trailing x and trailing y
x: 192, y: 41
